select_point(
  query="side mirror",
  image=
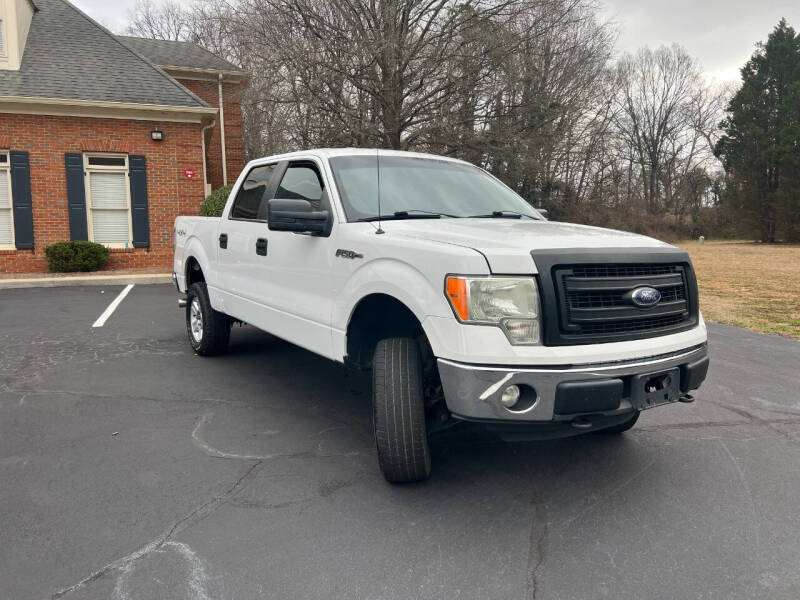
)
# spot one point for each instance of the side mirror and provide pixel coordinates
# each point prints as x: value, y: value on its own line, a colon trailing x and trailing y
x: 298, y: 216
x: 544, y: 212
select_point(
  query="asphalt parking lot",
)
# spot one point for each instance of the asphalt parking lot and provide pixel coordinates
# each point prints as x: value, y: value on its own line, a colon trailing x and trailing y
x: 132, y: 469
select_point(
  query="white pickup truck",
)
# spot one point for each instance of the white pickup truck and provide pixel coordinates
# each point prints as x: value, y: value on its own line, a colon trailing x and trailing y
x: 465, y: 302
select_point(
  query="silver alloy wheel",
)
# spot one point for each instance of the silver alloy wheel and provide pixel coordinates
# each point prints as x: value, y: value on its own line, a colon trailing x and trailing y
x: 196, y: 320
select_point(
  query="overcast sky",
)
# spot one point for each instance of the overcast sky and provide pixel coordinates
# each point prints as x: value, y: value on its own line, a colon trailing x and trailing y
x: 720, y: 33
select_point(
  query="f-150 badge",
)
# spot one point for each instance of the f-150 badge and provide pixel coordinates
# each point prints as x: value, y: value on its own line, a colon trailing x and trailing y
x: 348, y: 254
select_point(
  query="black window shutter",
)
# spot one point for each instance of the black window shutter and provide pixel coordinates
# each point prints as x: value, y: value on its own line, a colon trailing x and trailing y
x: 21, y: 199
x: 137, y: 166
x: 76, y: 197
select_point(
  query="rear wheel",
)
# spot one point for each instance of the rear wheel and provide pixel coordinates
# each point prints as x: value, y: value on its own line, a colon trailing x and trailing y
x: 622, y: 427
x: 209, y: 330
x: 399, y: 411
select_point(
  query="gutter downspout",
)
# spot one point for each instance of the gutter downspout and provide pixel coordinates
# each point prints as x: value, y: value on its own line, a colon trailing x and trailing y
x: 203, y: 146
x: 222, y: 134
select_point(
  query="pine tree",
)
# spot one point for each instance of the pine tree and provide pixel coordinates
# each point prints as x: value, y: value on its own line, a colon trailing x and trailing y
x: 761, y: 145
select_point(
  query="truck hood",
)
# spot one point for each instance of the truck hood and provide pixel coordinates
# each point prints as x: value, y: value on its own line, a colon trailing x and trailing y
x: 507, y: 243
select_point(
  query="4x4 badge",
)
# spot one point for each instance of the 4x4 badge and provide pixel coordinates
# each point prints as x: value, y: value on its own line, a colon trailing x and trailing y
x: 348, y: 254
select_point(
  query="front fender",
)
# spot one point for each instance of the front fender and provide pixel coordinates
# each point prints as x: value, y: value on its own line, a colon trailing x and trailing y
x: 397, y: 279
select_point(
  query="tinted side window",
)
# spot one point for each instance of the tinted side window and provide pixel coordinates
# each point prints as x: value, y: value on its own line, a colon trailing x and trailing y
x: 250, y: 202
x: 301, y: 182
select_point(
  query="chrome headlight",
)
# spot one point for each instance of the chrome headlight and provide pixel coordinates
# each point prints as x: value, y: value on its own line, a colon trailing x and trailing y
x: 511, y: 303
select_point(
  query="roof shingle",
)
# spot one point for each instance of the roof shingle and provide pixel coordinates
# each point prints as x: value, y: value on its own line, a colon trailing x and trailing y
x: 70, y: 56
x: 168, y: 53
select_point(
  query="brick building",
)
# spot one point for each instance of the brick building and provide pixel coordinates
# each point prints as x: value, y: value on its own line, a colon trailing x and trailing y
x: 106, y: 138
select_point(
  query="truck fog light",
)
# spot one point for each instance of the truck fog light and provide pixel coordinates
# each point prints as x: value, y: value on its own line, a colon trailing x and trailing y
x: 510, y: 396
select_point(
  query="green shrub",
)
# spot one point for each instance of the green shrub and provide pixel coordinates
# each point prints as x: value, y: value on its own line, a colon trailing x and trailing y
x: 68, y: 257
x: 215, y: 203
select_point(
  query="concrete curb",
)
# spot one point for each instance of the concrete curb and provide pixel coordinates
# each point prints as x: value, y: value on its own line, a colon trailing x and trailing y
x: 121, y: 279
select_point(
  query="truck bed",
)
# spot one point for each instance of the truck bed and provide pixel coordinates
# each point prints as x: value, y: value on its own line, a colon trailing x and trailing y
x: 195, y: 236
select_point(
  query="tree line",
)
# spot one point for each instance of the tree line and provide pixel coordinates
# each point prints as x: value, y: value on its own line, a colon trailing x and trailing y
x: 531, y: 90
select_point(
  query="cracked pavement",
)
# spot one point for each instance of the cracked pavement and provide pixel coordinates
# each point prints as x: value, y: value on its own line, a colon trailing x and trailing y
x: 132, y: 469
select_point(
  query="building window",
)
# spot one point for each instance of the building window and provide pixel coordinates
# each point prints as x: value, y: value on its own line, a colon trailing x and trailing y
x: 108, y: 200
x: 2, y: 38
x: 6, y: 206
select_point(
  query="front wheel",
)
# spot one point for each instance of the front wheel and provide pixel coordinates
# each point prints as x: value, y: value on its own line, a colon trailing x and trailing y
x: 398, y: 411
x: 209, y: 330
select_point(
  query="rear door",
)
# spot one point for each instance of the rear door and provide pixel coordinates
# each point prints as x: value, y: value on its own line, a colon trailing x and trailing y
x: 241, y: 244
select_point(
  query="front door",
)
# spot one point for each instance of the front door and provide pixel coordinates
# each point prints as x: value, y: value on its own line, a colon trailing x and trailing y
x: 295, y: 281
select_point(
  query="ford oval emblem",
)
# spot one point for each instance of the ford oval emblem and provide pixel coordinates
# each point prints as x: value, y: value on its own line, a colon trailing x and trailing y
x: 645, y: 296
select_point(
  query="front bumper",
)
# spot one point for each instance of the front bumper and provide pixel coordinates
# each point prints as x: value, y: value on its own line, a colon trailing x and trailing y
x: 560, y: 394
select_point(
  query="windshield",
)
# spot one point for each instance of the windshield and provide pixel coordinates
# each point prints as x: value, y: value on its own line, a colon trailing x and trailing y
x: 421, y: 185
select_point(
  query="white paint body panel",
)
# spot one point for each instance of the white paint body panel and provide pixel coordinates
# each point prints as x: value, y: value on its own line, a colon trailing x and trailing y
x: 305, y: 294
x: 507, y: 243
x: 489, y: 345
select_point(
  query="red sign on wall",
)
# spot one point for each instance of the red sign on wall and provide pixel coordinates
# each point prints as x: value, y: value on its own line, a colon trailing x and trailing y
x: 189, y: 173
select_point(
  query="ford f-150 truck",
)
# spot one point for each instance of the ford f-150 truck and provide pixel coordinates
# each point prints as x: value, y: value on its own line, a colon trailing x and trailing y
x: 465, y: 302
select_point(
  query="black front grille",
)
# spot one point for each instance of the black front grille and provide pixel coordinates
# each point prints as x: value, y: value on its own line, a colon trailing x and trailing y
x: 603, y: 299
x: 632, y: 325
x: 591, y: 271
x: 595, y: 300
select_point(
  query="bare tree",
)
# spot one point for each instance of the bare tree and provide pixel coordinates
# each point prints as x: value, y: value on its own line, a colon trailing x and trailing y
x: 663, y: 117
x: 379, y: 68
x: 164, y: 21
x: 525, y: 88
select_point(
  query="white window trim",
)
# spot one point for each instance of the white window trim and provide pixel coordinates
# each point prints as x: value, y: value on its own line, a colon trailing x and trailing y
x: 88, y: 170
x: 6, y: 166
x: 3, y: 37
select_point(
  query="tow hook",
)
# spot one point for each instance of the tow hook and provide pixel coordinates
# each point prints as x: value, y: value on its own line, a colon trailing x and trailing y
x: 581, y: 423
x: 181, y: 302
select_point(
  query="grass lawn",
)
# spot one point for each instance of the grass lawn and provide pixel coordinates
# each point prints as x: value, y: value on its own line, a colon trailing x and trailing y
x: 750, y: 285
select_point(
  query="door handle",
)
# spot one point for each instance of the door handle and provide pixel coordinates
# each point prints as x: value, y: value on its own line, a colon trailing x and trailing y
x: 223, y: 240
x: 261, y: 247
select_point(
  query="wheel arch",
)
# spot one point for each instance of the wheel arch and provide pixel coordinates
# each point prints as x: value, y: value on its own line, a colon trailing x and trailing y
x: 196, y: 264
x: 194, y: 272
x: 377, y: 316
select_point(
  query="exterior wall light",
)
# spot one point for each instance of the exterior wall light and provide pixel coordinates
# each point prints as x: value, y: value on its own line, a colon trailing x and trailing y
x: 156, y: 135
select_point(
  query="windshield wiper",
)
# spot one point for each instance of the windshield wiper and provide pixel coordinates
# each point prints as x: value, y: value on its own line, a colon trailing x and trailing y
x: 413, y: 213
x: 503, y: 214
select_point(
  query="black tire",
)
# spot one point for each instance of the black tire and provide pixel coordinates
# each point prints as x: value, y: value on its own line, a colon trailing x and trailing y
x: 398, y: 411
x: 622, y: 427
x: 214, y: 331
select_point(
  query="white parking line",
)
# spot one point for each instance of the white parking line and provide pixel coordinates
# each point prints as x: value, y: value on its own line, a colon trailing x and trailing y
x: 101, y: 320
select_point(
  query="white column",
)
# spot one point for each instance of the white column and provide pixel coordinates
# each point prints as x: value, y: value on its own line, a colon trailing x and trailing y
x: 222, y: 134
x: 205, y: 159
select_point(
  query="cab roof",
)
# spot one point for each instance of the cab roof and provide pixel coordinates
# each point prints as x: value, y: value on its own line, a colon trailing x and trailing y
x: 327, y: 153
